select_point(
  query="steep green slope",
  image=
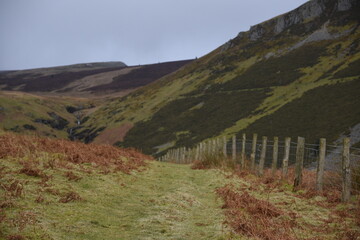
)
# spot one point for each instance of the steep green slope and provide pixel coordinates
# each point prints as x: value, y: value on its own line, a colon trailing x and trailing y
x: 275, y: 69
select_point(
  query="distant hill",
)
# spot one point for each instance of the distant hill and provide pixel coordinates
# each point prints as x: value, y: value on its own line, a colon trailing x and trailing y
x: 294, y: 75
x: 53, y: 101
x: 87, y: 79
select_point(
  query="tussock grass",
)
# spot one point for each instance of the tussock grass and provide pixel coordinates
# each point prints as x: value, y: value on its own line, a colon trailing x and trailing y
x: 217, y: 160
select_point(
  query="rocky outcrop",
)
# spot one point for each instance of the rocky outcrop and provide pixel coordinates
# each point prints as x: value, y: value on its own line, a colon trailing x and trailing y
x: 344, y: 5
x: 256, y: 32
x: 306, y: 12
x: 57, y: 122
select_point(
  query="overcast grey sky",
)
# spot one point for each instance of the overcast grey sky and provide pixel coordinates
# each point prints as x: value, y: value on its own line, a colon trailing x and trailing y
x: 41, y: 33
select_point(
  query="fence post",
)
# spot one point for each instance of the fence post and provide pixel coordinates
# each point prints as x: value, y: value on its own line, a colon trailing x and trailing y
x: 300, y: 150
x: 214, y: 147
x: 253, y: 152
x: 262, y: 156
x: 285, y: 163
x: 208, y: 146
x: 275, y: 155
x: 321, y: 165
x: 234, y: 148
x: 243, y: 150
x: 346, y: 174
x: 225, y: 146
x: 197, y: 151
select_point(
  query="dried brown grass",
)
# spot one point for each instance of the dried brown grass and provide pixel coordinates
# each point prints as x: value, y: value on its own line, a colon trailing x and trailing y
x: 214, y: 161
x: 14, y: 188
x: 107, y: 156
x: 15, y: 237
x: 70, y: 197
x: 72, y: 176
x: 256, y: 218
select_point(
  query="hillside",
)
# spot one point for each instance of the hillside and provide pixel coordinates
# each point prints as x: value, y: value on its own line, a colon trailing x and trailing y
x: 295, y: 74
x: 56, y: 189
x: 53, y: 101
x: 86, y: 80
x: 38, y: 115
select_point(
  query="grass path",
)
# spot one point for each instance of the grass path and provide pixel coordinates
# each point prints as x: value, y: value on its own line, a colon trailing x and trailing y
x: 166, y: 201
x: 171, y: 201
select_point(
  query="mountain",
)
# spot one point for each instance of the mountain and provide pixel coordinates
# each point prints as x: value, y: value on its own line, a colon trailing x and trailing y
x: 294, y: 75
x: 54, y: 101
x: 87, y: 79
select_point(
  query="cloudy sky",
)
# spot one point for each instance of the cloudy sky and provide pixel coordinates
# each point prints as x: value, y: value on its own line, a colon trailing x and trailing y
x: 41, y: 33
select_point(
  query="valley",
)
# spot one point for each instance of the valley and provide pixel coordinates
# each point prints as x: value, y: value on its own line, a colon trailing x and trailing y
x: 182, y: 149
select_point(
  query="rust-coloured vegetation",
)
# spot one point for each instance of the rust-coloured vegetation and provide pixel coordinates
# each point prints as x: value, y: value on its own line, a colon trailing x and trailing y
x: 70, y: 197
x: 256, y: 218
x: 103, y: 156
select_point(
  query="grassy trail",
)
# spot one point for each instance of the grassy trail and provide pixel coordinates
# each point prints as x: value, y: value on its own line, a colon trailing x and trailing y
x: 171, y: 201
x: 166, y: 201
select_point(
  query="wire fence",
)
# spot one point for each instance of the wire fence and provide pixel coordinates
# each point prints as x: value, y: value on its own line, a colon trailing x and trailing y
x: 272, y: 154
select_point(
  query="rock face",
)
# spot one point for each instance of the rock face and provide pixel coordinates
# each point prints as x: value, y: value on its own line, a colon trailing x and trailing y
x: 256, y: 32
x: 344, y: 5
x: 308, y: 11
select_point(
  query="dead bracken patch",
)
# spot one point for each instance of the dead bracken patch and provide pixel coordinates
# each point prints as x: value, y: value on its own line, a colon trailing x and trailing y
x: 72, y: 177
x: 70, y: 152
x: 15, y: 237
x: 256, y: 218
x: 30, y: 170
x: 14, y: 188
x: 70, y: 197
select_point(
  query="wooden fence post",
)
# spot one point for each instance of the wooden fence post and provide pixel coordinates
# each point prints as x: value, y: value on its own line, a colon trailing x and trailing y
x: 234, y: 148
x: 225, y: 146
x: 346, y: 174
x: 198, y: 153
x: 300, y: 150
x: 275, y: 155
x: 321, y: 165
x: 208, y: 146
x: 262, y: 156
x: 214, y: 147
x: 285, y: 163
x: 253, y: 152
x: 243, y: 150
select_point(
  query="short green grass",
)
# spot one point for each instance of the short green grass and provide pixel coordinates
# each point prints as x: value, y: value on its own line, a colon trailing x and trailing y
x: 166, y: 201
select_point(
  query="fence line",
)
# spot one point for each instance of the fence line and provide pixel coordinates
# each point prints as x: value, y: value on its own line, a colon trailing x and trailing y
x: 328, y: 161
